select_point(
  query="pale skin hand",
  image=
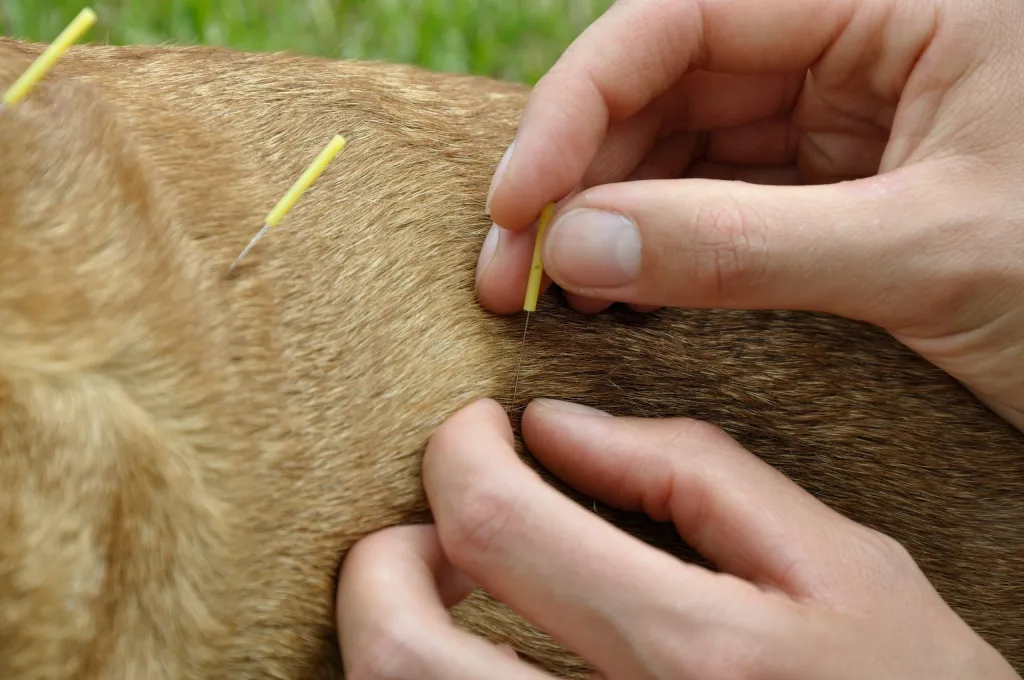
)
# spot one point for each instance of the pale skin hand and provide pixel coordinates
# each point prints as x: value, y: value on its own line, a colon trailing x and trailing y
x: 880, y: 144
x: 804, y: 593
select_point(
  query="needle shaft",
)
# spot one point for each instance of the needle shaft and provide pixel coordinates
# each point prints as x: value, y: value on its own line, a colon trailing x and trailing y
x: 289, y: 200
x: 522, y: 349
x: 248, y: 247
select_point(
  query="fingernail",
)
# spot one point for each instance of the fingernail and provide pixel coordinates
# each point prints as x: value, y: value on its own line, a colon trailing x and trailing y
x: 570, y: 407
x: 502, y: 165
x: 488, y: 250
x: 593, y: 249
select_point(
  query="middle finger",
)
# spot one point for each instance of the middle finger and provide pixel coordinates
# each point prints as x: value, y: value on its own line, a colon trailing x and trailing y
x: 592, y: 587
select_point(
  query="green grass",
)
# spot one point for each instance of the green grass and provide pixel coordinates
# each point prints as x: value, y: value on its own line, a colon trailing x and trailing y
x: 509, y: 39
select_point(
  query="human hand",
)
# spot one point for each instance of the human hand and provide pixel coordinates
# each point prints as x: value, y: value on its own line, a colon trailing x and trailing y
x: 804, y: 592
x: 894, y: 135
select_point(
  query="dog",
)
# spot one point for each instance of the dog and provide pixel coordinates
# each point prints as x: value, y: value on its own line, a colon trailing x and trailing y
x: 186, y: 456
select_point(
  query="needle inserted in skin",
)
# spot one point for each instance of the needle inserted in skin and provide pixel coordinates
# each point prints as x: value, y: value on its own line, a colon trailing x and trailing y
x: 522, y: 349
x: 42, y: 65
x: 289, y: 200
x: 532, y: 290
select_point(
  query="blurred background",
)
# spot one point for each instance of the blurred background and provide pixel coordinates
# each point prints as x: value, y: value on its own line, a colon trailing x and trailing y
x: 509, y: 39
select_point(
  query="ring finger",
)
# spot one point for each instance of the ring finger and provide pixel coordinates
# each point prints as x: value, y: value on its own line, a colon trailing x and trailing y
x: 392, y: 618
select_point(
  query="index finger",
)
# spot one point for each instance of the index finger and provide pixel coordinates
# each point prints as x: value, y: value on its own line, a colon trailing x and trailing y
x: 631, y: 55
x: 592, y: 587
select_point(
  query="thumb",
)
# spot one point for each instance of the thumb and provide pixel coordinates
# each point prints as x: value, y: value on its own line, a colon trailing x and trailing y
x: 733, y: 508
x: 847, y: 249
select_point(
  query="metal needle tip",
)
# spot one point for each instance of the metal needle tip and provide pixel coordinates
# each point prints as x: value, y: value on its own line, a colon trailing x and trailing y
x: 248, y: 247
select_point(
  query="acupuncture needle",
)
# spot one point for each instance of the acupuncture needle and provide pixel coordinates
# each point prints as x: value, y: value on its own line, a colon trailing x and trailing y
x: 532, y: 290
x: 45, y: 62
x: 289, y: 200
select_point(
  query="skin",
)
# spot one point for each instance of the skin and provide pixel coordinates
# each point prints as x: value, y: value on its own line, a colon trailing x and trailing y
x: 880, y: 148
x: 858, y: 157
x: 803, y: 592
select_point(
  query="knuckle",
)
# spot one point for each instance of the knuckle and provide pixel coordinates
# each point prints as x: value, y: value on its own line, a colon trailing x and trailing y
x: 480, y: 524
x: 392, y: 651
x: 883, y: 552
x: 729, y: 251
x: 747, y: 645
x: 369, y: 548
x: 729, y: 653
x: 693, y: 486
x: 368, y: 554
x: 686, y: 432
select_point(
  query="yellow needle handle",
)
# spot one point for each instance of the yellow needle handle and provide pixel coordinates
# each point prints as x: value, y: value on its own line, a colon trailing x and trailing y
x: 315, y: 169
x: 537, y: 268
x: 41, y: 66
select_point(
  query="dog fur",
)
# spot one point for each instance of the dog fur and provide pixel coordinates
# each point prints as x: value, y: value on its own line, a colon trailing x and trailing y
x: 186, y: 457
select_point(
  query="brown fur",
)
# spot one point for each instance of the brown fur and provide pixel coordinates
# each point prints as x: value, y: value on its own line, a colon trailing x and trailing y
x: 186, y: 458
